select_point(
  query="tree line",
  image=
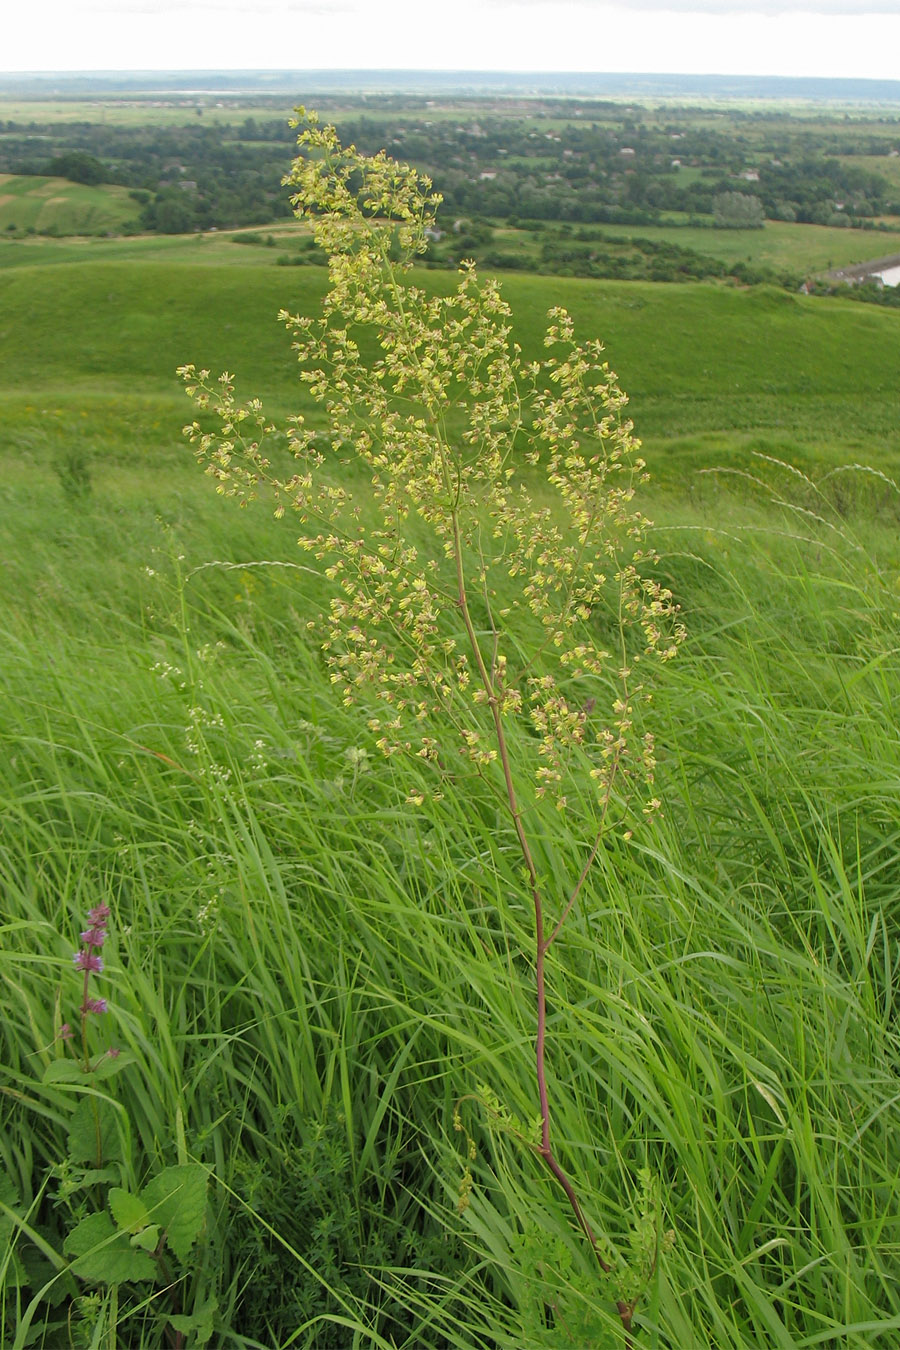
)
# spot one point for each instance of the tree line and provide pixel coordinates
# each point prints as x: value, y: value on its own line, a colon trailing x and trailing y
x: 598, y: 163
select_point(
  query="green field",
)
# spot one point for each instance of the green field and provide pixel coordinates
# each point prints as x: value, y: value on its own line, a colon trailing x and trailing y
x: 887, y: 165
x: 56, y: 206
x: 196, y: 249
x: 821, y: 385
x: 312, y: 980
x: 160, y: 112
x: 802, y: 249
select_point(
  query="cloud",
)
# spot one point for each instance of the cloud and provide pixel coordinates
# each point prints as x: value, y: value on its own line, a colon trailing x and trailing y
x: 227, y: 9
x: 324, y: 9
x: 725, y: 8
x: 824, y: 38
x: 769, y: 8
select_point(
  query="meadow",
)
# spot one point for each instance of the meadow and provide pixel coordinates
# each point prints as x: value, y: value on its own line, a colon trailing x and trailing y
x: 141, y: 112
x: 803, y: 249
x: 56, y: 206
x: 309, y: 980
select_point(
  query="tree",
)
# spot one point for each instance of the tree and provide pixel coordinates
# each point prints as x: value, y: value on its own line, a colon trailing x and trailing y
x: 79, y: 167
x: 170, y: 213
x: 738, y: 211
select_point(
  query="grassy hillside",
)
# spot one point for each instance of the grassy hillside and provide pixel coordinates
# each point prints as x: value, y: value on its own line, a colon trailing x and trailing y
x: 197, y: 249
x: 887, y: 165
x: 88, y: 352
x: 802, y: 249
x: 308, y: 979
x: 56, y: 206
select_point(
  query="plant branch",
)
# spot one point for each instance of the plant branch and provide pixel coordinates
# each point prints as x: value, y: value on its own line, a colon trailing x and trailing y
x: 546, y: 1148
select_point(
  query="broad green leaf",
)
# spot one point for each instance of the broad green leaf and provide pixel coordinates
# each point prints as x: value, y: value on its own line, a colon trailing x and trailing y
x: 147, y: 1239
x: 39, y: 1273
x: 107, y: 1067
x: 92, y: 1175
x: 13, y: 1274
x: 103, y: 1255
x: 128, y: 1210
x: 66, y: 1071
x: 42, y: 1334
x: 199, y: 1325
x: 73, y: 1071
x: 93, y: 1135
x: 176, y: 1200
x: 10, y: 1197
x: 8, y: 1192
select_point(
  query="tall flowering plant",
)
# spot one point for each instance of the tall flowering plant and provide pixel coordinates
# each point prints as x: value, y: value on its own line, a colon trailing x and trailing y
x: 89, y: 961
x: 123, y: 1233
x: 512, y: 643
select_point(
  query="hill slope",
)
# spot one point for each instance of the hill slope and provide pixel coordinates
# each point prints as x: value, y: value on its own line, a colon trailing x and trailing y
x: 56, y: 206
x: 814, y: 378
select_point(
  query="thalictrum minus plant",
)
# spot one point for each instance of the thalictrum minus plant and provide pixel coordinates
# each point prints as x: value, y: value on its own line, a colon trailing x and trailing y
x: 453, y: 426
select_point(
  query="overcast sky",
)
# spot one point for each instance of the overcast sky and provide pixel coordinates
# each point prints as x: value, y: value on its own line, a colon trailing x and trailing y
x: 858, y: 38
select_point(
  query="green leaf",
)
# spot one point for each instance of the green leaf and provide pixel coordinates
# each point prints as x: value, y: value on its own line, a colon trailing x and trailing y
x: 73, y: 1071
x: 176, y: 1200
x: 108, y: 1067
x: 93, y: 1134
x: 103, y: 1255
x: 200, y: 1322
x: 128, y: 1210
x: 16, y: 1276
x: 11, y: 1272
x: 39, y: 1273
x: 147, y: 1239
x: 65, y: 1071
x: 43, y: 1332
x: 8, y: 1192
x: 92, y: 1175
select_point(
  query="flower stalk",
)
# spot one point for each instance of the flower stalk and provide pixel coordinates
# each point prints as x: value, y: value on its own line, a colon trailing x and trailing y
x: 88, y: 960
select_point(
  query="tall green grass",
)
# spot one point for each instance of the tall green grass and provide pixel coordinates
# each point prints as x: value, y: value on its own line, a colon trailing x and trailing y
x: 311, y: 977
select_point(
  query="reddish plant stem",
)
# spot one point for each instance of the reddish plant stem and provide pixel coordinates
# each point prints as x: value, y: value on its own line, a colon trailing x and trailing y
x: 625, y: 1310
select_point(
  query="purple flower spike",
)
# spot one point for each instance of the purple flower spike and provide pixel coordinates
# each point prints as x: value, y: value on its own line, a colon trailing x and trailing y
x: 87, y: 961
x: 95, y: 936
x: 96, y: 1005
x: 99, y: 914
x: 65, y: 1032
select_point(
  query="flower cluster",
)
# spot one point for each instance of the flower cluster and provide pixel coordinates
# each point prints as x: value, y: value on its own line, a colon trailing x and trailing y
x: 88, y: 960
x: 462, y: 593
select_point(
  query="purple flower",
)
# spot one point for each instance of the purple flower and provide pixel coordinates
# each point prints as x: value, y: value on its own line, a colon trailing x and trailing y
x: 114, y: 1052
x: 87, y: 961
